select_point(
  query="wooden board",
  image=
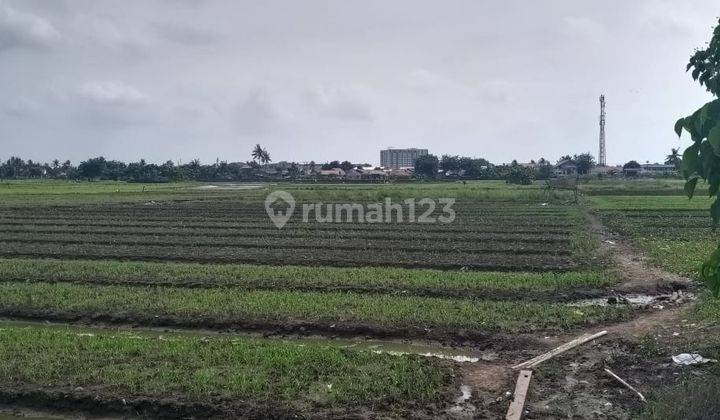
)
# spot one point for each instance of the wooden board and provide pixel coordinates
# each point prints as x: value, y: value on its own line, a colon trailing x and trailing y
x: 516, y: 407
x: 559, y: 350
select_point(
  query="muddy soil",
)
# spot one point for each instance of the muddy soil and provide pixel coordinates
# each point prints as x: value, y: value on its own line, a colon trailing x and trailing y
x: 574, y: 384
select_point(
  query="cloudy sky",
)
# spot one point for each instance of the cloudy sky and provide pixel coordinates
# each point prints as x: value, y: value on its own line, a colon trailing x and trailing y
x: 324, y: 80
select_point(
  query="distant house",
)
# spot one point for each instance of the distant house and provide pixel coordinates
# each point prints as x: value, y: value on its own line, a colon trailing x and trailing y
x: 455, y: 173
x: 632, y: 171
x: 606, y: 170
x: 365, y: 175
x: 332, y: 173
x: 241, y: 165
x: 565, y: 167
x: 657, y: 169
x: 405, y: 173
x: 270, y: 171
x: 374, y: 175
x: 353, y: 174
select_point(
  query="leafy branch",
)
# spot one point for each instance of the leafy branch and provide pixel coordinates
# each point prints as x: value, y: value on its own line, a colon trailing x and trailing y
x: 701, y: 160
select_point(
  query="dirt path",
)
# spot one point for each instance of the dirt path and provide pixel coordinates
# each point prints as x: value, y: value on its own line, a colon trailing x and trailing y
x: 631, y: 266
x: 575, y: 384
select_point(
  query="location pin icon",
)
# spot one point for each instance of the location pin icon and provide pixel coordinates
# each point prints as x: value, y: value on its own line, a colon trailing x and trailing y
x: 279, y: 217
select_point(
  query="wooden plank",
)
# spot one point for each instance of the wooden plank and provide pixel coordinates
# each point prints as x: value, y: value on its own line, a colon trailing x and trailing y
x: 559, y: 350
x: 516, y: 407
x: 627, y: 385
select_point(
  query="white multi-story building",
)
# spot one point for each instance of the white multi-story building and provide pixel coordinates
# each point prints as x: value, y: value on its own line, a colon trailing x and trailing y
x: 400, y: 158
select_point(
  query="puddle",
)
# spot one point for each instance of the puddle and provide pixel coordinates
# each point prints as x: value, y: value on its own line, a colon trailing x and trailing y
x: 466, y: 393
x: 457, y: 358
x: 634, y: 300
x: 230, y: 187
x: 390, y: 347
x: 461, y: 407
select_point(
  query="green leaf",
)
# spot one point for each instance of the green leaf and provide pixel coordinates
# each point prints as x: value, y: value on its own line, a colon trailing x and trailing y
x: 690, y: 123
x: 714, y: 139
x: 709, y: 117
x: 690, y: 161
x: 714, y: 187
x: 715, y: 212
x: 710, y: 272
x: 690, y: 186
x: 679, y: 127
x: 708, y: 160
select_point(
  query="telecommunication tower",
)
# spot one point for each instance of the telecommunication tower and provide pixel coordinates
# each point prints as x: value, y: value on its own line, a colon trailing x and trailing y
x: 601, y: 154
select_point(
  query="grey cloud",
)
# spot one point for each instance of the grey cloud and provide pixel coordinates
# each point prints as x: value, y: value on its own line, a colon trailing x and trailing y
x: 112, y: 93
x: 110, y: 35
x: 21, y: 108
x: 257, y: 113
x: 111, y: 104
x: 343, y: 104
x: 586, y: 28
x: 323, y: 80
x: 497, y: 91
x: 20, y: 29
x: 185, y: 35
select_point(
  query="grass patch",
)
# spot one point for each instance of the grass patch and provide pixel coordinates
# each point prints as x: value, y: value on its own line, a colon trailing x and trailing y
x: 471, y: 190
x: 263, y: 372
x: 298, y: 277
x: 228, y: 306
x: 682, y: 257
x: 695, y: 399
x: 708, y: 309
x: 650, y: 202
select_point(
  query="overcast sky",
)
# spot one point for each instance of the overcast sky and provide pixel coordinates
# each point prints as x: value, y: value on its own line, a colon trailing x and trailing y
x: 325, y: 80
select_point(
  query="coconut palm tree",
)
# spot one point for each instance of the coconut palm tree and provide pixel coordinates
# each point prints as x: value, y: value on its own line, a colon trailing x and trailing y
x: 265, y: 157
x: 673, y: 158
x: 257, y: 152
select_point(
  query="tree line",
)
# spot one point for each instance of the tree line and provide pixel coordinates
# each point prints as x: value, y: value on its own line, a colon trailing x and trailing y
x: 429, y: 166
x: 426, y: 167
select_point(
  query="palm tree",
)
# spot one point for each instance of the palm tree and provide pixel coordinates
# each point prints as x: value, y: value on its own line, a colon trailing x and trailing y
x: 265, y: 157
x: 257, y: 152
x: 673, y: 158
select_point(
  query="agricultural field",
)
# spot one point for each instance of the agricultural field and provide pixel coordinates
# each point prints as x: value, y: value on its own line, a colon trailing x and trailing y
x: 675, y: 231
x: 675, y: 234
x: 186, y: 300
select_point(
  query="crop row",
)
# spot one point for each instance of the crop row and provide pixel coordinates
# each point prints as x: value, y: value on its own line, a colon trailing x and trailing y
x: 297, y: 256
x: 447, y: 246
x: 263, y: 217
x: 214, y: 203
x: 530, y: 226
x: 422, y: 282
x: 265, y: 378
x: 249, y: 208
x: 276, y: 234
x: 671, y: 214
x: 691, y: 228
x: 243, y: 309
